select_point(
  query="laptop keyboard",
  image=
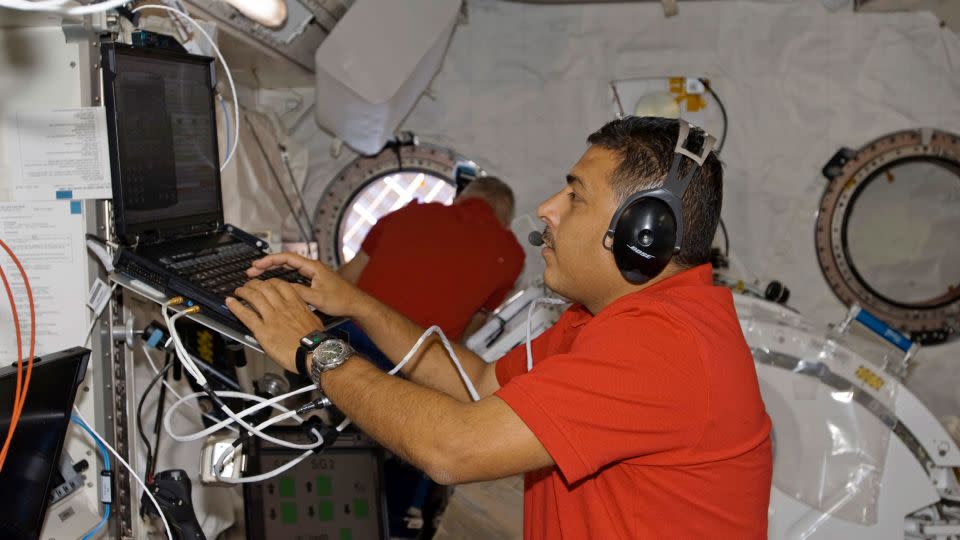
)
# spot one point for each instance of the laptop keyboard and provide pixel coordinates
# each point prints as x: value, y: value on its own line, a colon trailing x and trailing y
x: 222, y: 270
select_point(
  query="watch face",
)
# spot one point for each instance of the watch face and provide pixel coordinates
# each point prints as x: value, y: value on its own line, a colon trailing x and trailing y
x: 330, y: 352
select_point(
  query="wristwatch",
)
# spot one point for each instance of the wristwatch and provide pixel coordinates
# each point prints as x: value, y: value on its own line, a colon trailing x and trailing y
x: 330, y: 354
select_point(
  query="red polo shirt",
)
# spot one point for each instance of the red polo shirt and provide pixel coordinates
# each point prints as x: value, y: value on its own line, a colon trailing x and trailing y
x: 651, y: 411
x: 439, y: 264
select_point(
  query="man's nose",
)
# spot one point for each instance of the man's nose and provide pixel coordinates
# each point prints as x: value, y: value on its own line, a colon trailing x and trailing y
x: 549, y: 210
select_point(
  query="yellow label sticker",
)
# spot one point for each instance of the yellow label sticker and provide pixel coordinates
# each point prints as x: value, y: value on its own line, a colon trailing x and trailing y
x: 205, y: 345
x: 866, y: 375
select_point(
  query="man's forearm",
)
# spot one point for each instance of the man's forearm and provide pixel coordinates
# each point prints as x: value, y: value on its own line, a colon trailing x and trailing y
x: 395, y: 335
x: 351, y: 271
x: 404, y: 417
x: 452, y: 441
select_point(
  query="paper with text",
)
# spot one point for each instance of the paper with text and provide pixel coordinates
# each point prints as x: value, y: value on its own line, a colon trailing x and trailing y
x: 60, y: 154
x: 48, y: 239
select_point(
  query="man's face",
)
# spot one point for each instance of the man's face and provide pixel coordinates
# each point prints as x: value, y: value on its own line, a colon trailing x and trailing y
x: 577, y: 265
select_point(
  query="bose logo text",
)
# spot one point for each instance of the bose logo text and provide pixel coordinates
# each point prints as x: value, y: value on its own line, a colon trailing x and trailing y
x: 639, y: 252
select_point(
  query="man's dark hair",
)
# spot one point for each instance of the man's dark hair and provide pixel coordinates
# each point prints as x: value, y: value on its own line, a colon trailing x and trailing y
x: 645, y: 146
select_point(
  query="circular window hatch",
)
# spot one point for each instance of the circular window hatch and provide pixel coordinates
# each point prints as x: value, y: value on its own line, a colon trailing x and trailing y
x: 383, y: 195
x: 373, y: 186
x: 888, y: 228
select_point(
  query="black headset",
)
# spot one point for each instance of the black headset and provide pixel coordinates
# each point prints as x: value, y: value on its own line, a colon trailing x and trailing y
x: 647, y: 229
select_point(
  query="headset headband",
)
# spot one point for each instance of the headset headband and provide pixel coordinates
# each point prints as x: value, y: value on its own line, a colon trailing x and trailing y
x: 673, y: 188
x: 679, y: 185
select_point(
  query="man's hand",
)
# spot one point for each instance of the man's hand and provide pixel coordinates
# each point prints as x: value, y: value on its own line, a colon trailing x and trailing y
x: 307, y: 267
x: 278, y: 318
x: 328, y: 292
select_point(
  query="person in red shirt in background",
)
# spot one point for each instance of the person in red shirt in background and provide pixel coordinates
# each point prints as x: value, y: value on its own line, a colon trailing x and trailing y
x: 641, y: 416
x: 441, y: 265
x: 436, y: 264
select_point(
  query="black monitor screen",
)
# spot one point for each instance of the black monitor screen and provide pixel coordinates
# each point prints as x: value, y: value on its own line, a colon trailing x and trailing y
x: 164, y: 154
x: 34, y: 453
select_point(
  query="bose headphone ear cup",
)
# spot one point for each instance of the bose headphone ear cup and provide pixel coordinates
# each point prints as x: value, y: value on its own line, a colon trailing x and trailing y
x: 644, y: 239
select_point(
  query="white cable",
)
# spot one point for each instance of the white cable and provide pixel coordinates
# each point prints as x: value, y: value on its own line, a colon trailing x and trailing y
x: 416, y: 346
x: 40, y: 5
x: 190, y: 366
x: 180, y: 350
x: 453, y: 356
x: 187, y: 361
x: 136, y: 477
x: 267, y: 475
x: 98, y: 7
x: 273, y: 402
x: 93, y: 323
x: 226, y: 69
x: 280, y: 418
x: 60, y: 6
x: 542, y: 300
x: 228, y: 457
x: 23, y: 5
x: 100, y: 251
x: 280, y: 442
x: 287, y: 414
x: 163, y: 381
x: 167, y: 319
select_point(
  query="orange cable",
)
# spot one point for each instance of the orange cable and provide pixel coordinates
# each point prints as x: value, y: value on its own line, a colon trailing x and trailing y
x: 18, y: 406
x: 16, y: 325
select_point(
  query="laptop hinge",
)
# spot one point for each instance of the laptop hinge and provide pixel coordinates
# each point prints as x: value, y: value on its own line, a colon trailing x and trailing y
x: 147, y: 237
x: 154, y: 236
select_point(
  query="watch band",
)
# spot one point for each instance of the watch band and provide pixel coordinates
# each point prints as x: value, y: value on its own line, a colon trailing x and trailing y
x: 302, y: 361
x: 307, y: 344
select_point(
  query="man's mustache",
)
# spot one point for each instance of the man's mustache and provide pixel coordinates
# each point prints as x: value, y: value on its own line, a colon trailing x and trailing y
x: 548, y: 237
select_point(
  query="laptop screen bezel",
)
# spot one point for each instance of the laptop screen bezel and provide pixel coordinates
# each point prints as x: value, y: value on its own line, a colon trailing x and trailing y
x: 130, y: 233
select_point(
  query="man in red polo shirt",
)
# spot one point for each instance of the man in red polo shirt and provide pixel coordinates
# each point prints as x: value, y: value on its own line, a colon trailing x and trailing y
x: 641, y: 417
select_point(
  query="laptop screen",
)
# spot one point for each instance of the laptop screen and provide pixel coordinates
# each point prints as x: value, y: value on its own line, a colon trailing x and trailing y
x: 34, y: 453
x: 163, y: 140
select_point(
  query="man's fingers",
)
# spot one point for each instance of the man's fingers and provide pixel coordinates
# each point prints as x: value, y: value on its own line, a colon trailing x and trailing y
x: 285, y: 290
x: 255, y: 298
x: 246, y: 315
x: 277, y: 259
x: 307, y: 294
x: 306, y: 267
x: 260, y: 266
x: 270, y: 293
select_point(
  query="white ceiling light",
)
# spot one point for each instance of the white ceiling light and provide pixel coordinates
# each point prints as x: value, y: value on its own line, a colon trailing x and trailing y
x: 269, y: 13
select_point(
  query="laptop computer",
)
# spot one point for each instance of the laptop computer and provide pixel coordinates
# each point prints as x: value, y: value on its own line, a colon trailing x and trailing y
x: 165, y: 165
x: 34, y: 456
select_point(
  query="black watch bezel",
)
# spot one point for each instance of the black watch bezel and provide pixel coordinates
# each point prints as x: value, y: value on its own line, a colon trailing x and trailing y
x: 306, y: 346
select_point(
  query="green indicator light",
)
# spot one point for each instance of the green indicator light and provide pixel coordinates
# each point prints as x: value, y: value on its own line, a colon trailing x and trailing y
x: 324, y: 486
x: 360, y: 508
x: 326, y: 511
x: 288, y: 487
x: 288, y: 512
